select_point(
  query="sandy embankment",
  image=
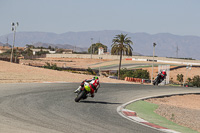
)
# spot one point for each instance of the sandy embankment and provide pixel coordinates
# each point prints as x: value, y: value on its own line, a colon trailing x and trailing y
x: 17, y: 73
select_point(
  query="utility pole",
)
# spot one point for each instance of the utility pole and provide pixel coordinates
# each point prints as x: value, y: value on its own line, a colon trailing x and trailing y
x: 91, y: 47
x: 187, y: 68
x: 75, y: 48
x: 154, y: 45
x: 7, y: 41
x: 177, y: 49
x: 14, y: 28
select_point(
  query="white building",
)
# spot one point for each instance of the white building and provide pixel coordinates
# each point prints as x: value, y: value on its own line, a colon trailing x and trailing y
x: 38, y: 50
x: 100, y: 51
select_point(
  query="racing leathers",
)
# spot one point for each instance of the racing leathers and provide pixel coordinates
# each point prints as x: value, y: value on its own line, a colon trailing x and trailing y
x: 162, y: 75
x: 93, y: 85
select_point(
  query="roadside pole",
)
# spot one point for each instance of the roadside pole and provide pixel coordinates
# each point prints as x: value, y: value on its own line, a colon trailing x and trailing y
x: 188, y: 68
x: 91, y: 48
x: 14, y: 28
x: 99, y: 71
x: 154, y: 45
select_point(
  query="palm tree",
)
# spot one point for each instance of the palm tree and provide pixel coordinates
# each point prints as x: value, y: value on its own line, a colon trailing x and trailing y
x: 121, y: 44
x: 127, y: 50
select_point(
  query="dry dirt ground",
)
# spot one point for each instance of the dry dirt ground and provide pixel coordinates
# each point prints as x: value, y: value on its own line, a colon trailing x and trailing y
x: 65, y: 62
x: 95, y: 63
x: 171, y: 107
x: 181, y: 109
x: 17, y: 73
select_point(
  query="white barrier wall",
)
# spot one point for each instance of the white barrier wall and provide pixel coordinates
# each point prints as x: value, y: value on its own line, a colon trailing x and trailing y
x: 171, y: 61
x: 87, y: 56
x: 136, y: 58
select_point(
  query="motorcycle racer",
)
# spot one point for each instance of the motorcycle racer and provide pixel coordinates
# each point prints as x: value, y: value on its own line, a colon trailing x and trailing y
x: 160, y: 77
x: 92, y: 86
x: 163, y: 74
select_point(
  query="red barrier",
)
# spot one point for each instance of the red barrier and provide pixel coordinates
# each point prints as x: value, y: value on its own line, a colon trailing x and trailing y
x: 130, y: 79
x: 126, y: 79
x: 128, y: 59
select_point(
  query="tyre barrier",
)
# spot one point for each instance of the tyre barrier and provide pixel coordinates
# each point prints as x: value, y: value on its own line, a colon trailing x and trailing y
x: 130, y: 79
x: 128, y: 59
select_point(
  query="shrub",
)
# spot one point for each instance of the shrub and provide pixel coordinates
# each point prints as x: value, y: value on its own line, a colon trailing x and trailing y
x: 196, y: 81
x: 138, y: 73
x: 51, y: 66
x: 180, y: 78
x: 90, y: 71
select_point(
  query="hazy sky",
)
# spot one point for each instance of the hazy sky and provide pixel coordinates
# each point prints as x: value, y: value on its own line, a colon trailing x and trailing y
x: 180, y: 17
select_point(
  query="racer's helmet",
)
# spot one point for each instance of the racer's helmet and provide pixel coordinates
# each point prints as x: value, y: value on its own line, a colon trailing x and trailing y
x: 164, y: 72
x: 94, y: 78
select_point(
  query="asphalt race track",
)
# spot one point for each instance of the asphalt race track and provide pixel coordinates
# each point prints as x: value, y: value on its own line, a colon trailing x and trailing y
x: 50, y: 108
x: 128, y: 66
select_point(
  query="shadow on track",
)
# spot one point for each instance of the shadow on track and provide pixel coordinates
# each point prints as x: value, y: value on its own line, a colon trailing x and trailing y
x: 98, y: 102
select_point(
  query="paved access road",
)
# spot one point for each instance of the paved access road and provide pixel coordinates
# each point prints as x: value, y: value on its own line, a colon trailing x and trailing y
x: 50, y: 108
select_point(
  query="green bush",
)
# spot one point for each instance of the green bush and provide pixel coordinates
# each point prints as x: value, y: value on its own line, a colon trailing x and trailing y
x: 90, y: 71
x: 51, y: 66
x: 196, y: 81
x: 180, y: 78
x: 138, y: 73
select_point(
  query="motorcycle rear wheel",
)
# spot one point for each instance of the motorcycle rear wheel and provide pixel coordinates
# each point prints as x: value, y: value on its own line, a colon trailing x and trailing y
x: 155, y: 82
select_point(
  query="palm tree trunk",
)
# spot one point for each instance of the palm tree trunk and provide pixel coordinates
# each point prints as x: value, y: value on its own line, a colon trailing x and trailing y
x: 120, y: 61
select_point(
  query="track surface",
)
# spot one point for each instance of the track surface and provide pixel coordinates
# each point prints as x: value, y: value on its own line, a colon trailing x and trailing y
x: 50, y: 108
x: 128, y: 66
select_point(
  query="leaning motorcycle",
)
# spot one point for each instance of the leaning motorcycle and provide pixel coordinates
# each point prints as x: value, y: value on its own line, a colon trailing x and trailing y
x: 158, y: 80
x: 84, y: 92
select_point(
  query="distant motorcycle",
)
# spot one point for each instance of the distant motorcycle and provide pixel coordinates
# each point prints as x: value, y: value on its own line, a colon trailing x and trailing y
x: 157, y: 81
x: 160, y: 77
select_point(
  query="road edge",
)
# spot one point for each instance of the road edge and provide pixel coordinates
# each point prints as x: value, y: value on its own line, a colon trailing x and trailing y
x: 132, y: 115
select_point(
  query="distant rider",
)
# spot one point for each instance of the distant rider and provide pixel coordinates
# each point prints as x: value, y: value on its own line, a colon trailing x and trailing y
x: 93, y: 85
x: 162, y: 74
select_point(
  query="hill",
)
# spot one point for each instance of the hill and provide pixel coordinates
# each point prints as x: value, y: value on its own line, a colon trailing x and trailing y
x: 64, y: 46
x: 166, y: 43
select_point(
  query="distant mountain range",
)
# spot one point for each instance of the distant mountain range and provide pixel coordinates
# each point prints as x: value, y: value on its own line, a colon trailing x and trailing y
x: 167, y: 44
x: 64, y: 46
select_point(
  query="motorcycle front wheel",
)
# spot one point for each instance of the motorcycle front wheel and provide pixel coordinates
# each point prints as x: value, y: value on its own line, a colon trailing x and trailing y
x: 80, y: 96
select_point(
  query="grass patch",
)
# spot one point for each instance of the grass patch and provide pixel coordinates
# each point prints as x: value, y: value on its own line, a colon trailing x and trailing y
x: 174, y: 85
x: 145, y: 110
